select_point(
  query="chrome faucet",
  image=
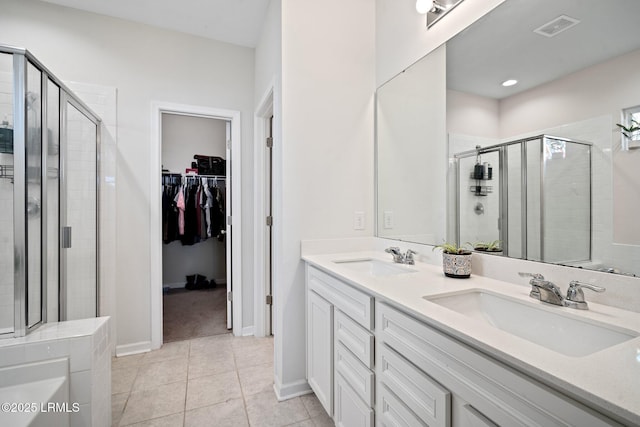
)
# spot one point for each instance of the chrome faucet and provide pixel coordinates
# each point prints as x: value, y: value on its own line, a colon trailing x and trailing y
x: 535, y: 279
x: 399, y: 257
x: 548, y: 292
x: 575, y: 296
x: 544, y: 290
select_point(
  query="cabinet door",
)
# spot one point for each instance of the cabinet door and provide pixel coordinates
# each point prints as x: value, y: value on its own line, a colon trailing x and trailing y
x: 351, y: 411
x: 320, y: 349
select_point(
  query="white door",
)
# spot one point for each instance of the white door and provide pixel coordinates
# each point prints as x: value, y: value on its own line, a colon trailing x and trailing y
x: 229, y: 230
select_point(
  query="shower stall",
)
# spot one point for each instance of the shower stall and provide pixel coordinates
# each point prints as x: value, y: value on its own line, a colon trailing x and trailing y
x: 533, y: 195
x: 49, y: 145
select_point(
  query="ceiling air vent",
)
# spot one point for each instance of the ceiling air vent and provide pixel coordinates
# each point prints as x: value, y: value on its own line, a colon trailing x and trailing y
x: 555, y: 27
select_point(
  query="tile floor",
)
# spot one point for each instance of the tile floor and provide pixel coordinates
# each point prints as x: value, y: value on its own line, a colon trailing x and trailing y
x: 216, y: 381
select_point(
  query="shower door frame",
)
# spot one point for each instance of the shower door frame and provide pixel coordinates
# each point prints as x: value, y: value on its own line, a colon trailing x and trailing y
x: 21, y: 59
x: 504, y: 187
x: 68, y: 99
x: 502, y: 190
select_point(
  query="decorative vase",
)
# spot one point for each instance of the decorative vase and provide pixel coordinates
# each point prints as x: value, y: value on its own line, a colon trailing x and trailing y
x: 456, y: 265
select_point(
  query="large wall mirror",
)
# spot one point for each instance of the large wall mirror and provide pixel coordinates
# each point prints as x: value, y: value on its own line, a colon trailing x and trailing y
x: 538, y: 167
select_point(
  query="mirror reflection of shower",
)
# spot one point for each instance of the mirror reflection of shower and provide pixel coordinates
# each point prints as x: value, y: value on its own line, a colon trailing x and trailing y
x: 536, y: 201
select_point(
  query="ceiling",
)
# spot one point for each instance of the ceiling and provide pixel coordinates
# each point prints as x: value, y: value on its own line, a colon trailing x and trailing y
x: 502, y: 45
x: 232, y: 21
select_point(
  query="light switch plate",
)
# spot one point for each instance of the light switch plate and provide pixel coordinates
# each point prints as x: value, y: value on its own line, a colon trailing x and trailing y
x: 358, y: 220
x: 387, y: 220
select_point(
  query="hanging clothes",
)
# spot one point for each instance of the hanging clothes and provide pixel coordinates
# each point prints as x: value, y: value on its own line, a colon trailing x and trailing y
x: 180, y: 204
x: 193, y: 209
x: 190, y: 215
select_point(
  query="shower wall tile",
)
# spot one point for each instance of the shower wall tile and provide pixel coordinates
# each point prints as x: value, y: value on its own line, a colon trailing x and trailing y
x: 87, y: 344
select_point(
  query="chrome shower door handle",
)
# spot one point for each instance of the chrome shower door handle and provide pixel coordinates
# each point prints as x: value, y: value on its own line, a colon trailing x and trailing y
x: 65, y: 237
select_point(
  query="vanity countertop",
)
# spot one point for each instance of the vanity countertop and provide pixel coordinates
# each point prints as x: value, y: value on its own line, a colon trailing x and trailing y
x: 608, y: 380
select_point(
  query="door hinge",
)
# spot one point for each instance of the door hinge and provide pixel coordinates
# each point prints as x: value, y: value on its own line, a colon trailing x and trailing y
x: 269, y: 221
x: 230, y: 296
x: 229, y: 220
x: 269, y: 142
x: 269, y: 300
x: 228, y: 144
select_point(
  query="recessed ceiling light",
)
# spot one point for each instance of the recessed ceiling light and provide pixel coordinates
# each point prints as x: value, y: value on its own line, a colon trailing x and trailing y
x: 509, y: 82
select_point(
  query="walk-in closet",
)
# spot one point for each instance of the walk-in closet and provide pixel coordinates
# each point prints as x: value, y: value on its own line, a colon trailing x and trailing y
x: 194, y: 228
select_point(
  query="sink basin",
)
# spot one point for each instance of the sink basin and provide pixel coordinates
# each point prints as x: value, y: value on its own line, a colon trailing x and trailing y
x: 556, y: 331
x: 375, y: 267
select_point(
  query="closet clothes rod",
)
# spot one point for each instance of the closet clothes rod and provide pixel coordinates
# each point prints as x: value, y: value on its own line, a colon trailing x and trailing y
x: 190, y: 175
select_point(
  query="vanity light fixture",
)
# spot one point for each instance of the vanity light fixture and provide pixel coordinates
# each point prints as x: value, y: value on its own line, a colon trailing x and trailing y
x: 509, y: 82
x: 435, y: 9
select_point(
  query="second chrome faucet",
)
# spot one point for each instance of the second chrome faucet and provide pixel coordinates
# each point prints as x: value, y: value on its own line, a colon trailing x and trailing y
x: 399, y: 257
x: 548, y: 292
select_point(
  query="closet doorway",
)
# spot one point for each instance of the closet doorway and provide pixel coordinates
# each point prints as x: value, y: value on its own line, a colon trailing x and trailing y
x: 195, y: 259
x: 194, y: 250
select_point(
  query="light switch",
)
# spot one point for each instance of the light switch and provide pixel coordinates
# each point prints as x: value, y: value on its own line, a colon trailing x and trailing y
x: 358, y: 220
x: 387, y: 220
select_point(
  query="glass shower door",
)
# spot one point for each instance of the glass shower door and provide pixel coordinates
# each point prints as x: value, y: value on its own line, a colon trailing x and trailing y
x: 79, y: 287
x: 7, y: 272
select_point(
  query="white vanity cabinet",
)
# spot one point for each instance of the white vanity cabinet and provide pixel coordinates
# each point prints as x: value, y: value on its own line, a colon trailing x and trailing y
x: 426, y: 377
x: 340, y: 349
x: 320, y: 349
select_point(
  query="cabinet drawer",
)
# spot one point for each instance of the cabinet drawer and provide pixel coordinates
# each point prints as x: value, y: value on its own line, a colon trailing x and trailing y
x: 501, y: 393
x: 426, y: 398
x: 392, y: 412
x: 354, y: 337
x: 349, y: 300
x: 350, y: 410
x: 357, y: 375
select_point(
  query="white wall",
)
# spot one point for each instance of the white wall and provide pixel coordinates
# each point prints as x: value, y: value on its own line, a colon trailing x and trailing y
x: 146, y: 64
x: 328, y: 83
x: 402, y: 36
x: 185, y: 136
x: 268, y: 79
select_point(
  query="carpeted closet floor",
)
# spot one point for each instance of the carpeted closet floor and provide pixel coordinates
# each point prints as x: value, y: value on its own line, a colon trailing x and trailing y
x: 191, y: 314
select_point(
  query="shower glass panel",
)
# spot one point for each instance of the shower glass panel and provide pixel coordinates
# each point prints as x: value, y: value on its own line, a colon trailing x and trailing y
x: 533, y: 151
x: 6, y: 195
x: 514, y: 212
x: 34, y: 195
x: 80, y: 183
x: 53, y: 197
x: 567, y: 201
x: 479, y: 200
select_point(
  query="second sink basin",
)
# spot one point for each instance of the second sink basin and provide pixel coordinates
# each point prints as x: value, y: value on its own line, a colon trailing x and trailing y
x: 375, y: 267
x: 556, y: 331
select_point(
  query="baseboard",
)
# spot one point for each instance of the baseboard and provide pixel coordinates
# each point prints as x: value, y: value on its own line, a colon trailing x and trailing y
x: 247, y: 331
x: 219, y: 282
x: 173, y: 285
x: 291, y: 390
x: 134, y: 348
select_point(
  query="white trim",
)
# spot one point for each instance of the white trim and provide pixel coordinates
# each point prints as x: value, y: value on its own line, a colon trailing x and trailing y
x: 247, y: 331
x: 291, y: 390
x: 155, y: 225
x: 134, y: 348
x: 264, y: 111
